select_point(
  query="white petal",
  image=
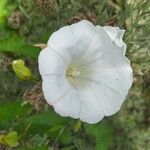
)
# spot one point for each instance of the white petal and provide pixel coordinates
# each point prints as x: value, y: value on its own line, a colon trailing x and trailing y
x: 50, y: 63
x: 111, y: 86
x: 117, y: 79
x: 99, y: 47
x: 91, y: 110
x: 64, y: 43
x: 112, y: 69
x: 83, y: 32
x: 102, y: 53
x: 116, y: 35
x: 69, y: 105
x: 70, y: 42
x: 108, y: 68
x: 55, y: 88
x: 109, y: 100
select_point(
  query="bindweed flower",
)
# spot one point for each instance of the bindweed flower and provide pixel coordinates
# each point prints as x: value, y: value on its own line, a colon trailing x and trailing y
x: 85, y: 72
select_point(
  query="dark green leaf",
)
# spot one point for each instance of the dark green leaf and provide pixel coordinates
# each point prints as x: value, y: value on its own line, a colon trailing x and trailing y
x: 102, y: 132
x: 16, y: 44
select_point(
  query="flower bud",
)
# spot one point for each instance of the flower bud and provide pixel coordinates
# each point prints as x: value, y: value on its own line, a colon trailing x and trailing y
x: 10, y: 139
x: 21, y: 70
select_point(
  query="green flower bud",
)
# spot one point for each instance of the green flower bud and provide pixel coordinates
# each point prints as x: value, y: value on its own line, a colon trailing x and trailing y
x: 10, y: 139
x: 22, y: 72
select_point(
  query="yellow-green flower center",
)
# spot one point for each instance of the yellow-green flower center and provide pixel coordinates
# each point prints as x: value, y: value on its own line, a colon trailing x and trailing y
x: 72, y: 72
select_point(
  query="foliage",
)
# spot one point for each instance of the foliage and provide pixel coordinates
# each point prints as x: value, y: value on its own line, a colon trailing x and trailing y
x: 28, y: 128
x: 16, y: 44
x: 103, y: 134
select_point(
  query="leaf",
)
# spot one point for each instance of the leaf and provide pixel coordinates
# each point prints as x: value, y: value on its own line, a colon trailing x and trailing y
x: 6, y: 7
x: 3, y: 11
x: 61, y: 132
x: 65, y: 137
x: 16, y: 44
x: 10, y: 111
x: 53, y: 132
x: 48, y: 118
x: 43, y: 121
x: 102, y: 132
x: 41, y: 148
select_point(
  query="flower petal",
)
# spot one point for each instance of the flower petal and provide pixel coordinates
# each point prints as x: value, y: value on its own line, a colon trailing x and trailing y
x: 50, y: 63
x: 116, y: 79
x: 103, y: 54
x: 96, y: 47
x: 70, y: 42
x: 112, y: 70
x: 91, y: 110
x: 64, y: 44
x: 116, y: 35
x: 105, y: 65
x: 69, y: 105
x: 111, y: 86
x: 109, y: 100
x: 83, y: 32
x: 54, y: 88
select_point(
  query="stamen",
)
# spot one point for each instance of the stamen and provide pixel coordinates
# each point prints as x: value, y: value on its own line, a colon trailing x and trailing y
x: 72, y: 72
x: 75, y: 73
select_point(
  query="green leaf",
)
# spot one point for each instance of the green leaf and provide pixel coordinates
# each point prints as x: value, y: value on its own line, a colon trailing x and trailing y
x: 41, y: 148
x: 16, y: 44
x: 10, y: 111
x: 3, y: 11
x: 60, y: 132
x: 66, y: 137
x: 53, y: 132
x: 6, y: 7
x: 102, y: 132
x: 43, y: 121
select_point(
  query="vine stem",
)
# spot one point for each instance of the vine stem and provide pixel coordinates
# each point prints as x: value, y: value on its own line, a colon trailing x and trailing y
x: 61, y: 131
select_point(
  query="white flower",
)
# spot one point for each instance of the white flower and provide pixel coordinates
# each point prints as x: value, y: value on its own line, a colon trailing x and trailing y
x: 85, y: 72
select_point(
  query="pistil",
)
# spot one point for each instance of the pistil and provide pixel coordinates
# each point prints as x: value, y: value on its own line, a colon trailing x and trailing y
x: 72, y: 72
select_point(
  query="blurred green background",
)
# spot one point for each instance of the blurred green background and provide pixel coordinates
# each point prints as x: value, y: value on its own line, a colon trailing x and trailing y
x: 26, y: 122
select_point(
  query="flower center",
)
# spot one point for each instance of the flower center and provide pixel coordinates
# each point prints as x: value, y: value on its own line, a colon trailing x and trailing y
x: 72, y: 72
